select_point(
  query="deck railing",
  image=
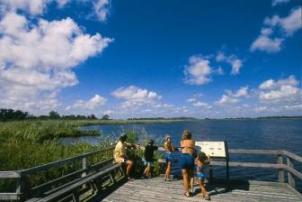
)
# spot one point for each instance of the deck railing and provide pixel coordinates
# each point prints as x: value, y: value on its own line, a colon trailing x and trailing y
x: 66, y: 169
x: 284, y: 163
x: 86, y: 163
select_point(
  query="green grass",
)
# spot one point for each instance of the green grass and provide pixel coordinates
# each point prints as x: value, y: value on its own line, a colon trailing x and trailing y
x: 26, y: 144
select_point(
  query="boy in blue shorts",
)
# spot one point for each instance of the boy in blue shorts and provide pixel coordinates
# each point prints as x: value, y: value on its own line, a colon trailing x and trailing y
x: 202, y: 163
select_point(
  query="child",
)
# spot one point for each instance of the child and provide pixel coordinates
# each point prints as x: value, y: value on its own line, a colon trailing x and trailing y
x: 168, y: 149
x: 202, y: 162
x: 148, y: 154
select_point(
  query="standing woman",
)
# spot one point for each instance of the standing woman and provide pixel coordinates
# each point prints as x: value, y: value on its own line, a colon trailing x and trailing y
x: 187, y: 145
x: 168, y: 149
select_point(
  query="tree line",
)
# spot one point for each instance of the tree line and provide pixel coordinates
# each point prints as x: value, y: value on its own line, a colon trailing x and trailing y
x: 14, y: 115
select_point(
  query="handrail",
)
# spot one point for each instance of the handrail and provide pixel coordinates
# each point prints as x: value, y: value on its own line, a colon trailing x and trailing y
x: 60, y: 162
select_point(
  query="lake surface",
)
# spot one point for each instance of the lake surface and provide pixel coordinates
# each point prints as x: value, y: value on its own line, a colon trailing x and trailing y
x: 246, y: 134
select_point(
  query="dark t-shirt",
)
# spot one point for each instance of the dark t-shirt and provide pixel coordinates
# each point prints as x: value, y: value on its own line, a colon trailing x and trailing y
x: 149, y: 149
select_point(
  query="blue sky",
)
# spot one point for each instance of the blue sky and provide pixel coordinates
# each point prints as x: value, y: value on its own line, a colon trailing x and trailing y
x: 151, y: 58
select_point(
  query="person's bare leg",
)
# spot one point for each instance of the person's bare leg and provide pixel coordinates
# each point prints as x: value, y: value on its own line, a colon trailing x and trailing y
x: 185, y: 176
x: 168, y: 171
x: 148, y: 170
x: 129, y: 167
x: 204, y: 191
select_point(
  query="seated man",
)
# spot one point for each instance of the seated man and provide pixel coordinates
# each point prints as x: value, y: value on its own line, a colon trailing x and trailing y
x: 120, y: 155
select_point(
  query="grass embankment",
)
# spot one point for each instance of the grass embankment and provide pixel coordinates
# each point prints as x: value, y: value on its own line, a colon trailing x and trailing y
x: 25, y: 144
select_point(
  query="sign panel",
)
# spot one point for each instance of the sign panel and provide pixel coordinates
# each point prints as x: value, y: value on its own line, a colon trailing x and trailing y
x: 212, y: 148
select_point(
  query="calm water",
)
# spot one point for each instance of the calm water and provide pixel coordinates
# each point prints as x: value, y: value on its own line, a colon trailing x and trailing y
x: 247, y: 134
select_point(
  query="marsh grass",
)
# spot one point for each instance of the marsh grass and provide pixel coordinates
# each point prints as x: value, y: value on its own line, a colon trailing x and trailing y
x: 26, y: 144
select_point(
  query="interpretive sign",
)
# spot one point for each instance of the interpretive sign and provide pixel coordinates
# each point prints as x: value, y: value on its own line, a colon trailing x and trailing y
x: 212, y: 148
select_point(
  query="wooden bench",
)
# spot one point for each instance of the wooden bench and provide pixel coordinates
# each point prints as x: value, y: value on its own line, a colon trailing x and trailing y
x: 72, y: 190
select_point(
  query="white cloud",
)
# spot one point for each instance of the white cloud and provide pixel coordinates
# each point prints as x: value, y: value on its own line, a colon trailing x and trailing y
x: 226, y: 99
x: 289, y: 25
x: 267, y: 44
x: 91, y: 104
x: 233, y: 60
x: 101, y: 9
x: 198, y: 71
x: 231, y: 97
x: 33, y: 7
x: 135, y: 96
x: 197, y: 103
x: 37, y: 59
x: 277, y: 2
x: 283, y: 90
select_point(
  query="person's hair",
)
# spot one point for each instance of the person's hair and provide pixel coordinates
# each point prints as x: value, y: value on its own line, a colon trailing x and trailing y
x: 150, y: 142
x: 202, y: 157
x: 186, y: 135
x: 167, y: 137
x: 123, y: 138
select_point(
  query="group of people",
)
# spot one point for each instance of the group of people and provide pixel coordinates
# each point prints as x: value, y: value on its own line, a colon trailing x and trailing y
x: 192, y: 162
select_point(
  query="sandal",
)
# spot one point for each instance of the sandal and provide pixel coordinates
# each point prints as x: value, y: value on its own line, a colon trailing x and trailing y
x: 207, y: 197
x: 187, y: 194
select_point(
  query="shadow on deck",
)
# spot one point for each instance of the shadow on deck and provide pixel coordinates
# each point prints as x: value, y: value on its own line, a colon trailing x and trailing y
x: 151, y: 190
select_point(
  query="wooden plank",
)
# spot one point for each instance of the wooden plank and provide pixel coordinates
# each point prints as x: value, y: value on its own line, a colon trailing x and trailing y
x: 74, y: 186
x: 255, y: 151
x: 280, y: 171
x: 157, y: 190
x: 61, y: 162
x: 291, y: 179
x: 9, y: 174
x: 293, y: 156
x: 8, y: 196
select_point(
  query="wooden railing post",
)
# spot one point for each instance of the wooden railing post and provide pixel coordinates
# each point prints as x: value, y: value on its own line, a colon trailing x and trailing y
x: 84, y: 166
x: 20, y: 187
x: 290, y: 177
x: 280, y: 171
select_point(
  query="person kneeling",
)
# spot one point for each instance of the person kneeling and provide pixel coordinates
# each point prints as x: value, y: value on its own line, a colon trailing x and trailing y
x: 202, y: 163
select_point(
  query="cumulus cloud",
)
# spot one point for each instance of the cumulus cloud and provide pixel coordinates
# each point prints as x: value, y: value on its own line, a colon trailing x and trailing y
x: 101, y: 9
x: 37, y: 59
x: 135, y: 96
x: 233, y: 60
x: 283, y: 90
x: 197, y: 103
x: 198, y: 71
x: 277, y: 2
x: 231, y: 97
x: 267, y: 41
x: 266, y: 44
x: 33, y: 7
x: 91, y: 104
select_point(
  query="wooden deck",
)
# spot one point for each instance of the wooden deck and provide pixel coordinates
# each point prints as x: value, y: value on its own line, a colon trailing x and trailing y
x: 153, y: 190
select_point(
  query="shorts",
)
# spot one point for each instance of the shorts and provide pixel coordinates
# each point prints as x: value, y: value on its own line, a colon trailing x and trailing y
x: 187, y: 161
x: 168, y: 157
x: 148, y: 163
x: 201, y: 176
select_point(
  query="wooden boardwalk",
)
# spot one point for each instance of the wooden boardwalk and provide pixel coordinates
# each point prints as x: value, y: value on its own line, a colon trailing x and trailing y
x: 154, y: 190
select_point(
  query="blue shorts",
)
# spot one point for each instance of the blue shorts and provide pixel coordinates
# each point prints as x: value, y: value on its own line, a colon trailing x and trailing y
x: 168, y: 157
x: 187, y: 161
x: 201, y: 176
x: 148, y: 163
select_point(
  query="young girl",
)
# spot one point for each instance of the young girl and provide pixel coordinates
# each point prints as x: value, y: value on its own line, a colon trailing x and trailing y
x: 202, y: 162
x: 168, y: 149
